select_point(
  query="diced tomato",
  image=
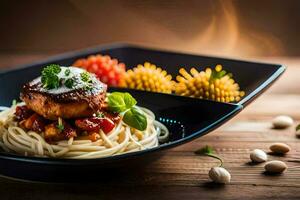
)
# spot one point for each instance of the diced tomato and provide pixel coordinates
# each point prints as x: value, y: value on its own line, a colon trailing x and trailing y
x: 95, y: 124
x: 115, y: 117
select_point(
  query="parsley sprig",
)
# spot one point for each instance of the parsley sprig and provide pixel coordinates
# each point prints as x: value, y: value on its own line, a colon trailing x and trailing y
x: 69, y: 83
x: 218, y: 73
x: 50, y: 79
x: 67, y: 72
x: 209, y: 151
x: 86, y: 77
x: 124, y: 103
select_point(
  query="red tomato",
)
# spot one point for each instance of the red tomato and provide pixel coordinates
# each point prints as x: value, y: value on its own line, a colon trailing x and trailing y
x: 108, y: 70
x: 95, y: 124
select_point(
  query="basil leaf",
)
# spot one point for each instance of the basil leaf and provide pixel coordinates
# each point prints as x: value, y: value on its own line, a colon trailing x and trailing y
x: 116, y: 102
x: 119, y: 102
x: 129, y: 100
x: 136, y: 119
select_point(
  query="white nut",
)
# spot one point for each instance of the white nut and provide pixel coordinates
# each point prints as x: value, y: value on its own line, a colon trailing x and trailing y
x: 275, y: 166
x: 280, y: 148
x: 282, y: 121
x: 219, y: 175
x: 258, y: 156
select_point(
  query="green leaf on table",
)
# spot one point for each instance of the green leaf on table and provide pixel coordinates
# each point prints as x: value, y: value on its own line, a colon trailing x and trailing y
x: 209, y: 151
x: 298, y: 127
x: 205, y: 150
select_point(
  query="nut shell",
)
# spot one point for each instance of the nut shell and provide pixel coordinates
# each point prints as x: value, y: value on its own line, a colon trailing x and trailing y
x: 219, y: 175
x: 275, y: 166
x: 282, y: 122
x: 258, y: 156
x: 280, y: 148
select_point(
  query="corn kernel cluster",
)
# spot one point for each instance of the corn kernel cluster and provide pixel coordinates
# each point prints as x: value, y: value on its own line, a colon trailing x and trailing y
x: 211, y: 84
x: 148, y: 77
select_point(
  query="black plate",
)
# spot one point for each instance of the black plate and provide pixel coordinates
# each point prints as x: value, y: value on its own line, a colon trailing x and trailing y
x: 186, y: 118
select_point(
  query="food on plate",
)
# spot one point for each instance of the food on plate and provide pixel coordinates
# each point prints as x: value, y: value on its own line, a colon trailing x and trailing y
x: 73, y: 93
x: 214, y: 84
x: 108, y: 70
x: 148, y: 77
x: 67, y: 113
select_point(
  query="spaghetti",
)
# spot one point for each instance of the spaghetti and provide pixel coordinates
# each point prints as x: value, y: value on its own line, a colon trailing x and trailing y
x: 121, y: 139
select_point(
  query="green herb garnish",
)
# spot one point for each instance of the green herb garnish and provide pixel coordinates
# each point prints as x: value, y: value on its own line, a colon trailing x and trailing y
x: 50, y: 79
x: 217, y: 74
x: 135, y: 118
x: 100, y: 114
x: 60, y: 126
x: 69, y: 83
x: 67, y: 72
x: 209, y: 151
x: 119, y: 102
x: 124, y: 103
x: 85, y: 77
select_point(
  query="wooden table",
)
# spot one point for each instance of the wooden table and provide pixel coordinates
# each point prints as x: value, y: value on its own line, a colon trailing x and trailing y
x: 179, y: 174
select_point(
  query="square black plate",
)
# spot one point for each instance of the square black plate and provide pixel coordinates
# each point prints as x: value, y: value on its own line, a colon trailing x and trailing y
x: 186, y: 118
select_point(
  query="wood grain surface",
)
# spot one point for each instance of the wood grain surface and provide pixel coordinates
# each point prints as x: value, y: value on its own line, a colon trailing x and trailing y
x: 179, y: 174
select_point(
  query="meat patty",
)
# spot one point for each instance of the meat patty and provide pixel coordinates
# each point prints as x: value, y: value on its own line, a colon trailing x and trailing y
x: 63, y: 102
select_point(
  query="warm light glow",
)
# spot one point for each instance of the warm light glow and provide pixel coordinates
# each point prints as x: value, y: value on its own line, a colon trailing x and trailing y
x: 226, y: 36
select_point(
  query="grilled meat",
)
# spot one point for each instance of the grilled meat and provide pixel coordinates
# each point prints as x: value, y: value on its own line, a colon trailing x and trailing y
x: 64, y: 102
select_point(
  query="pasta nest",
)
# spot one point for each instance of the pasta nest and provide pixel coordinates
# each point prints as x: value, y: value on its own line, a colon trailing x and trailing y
x: 148, y: 77
x: 216, y: 84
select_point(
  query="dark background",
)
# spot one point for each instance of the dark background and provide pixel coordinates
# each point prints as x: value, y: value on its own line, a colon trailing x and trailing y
x: 33, y: 29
